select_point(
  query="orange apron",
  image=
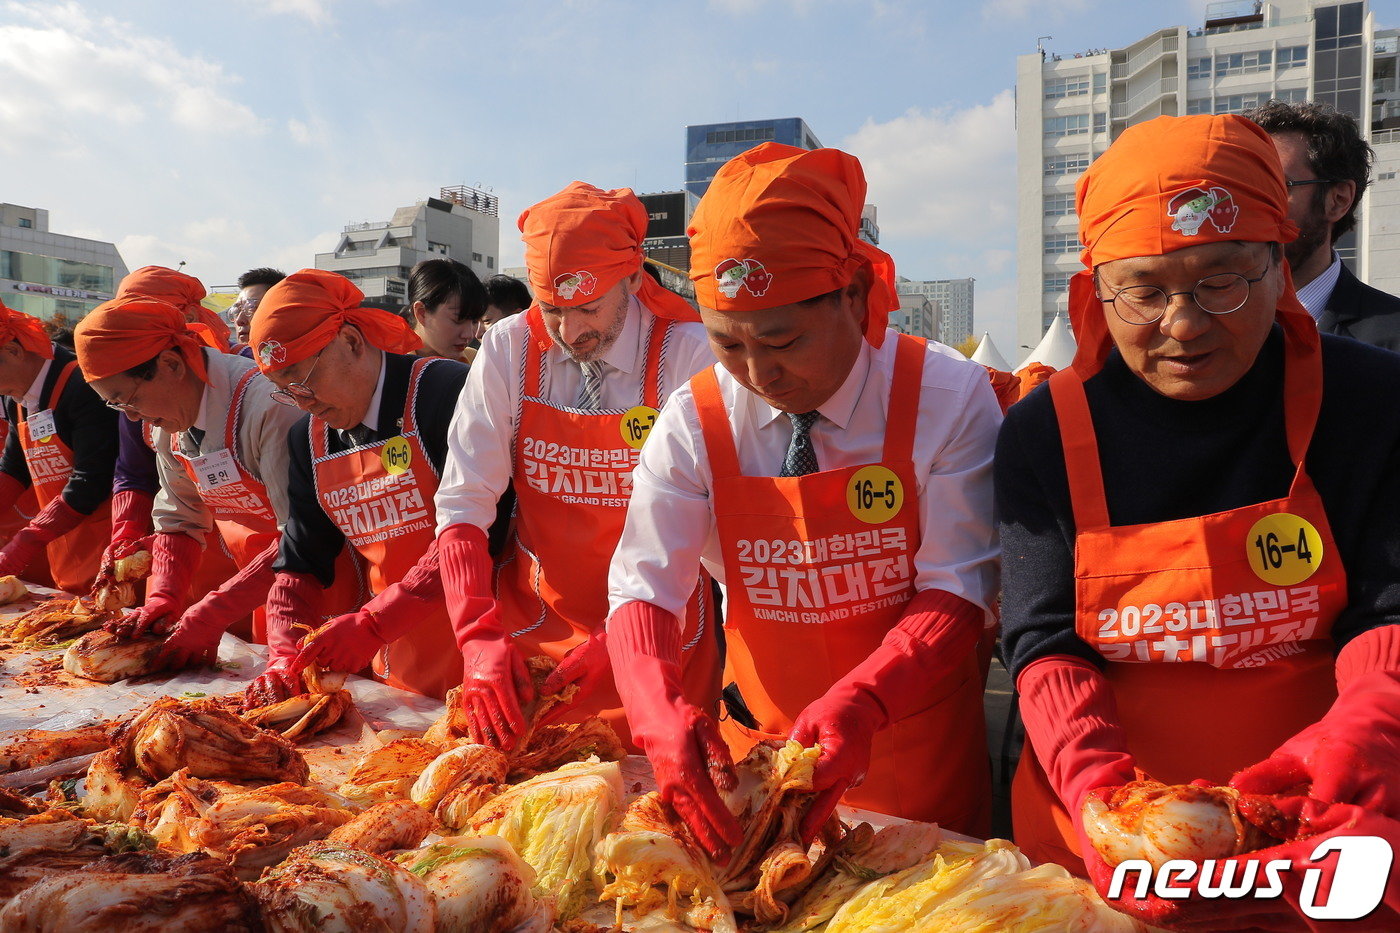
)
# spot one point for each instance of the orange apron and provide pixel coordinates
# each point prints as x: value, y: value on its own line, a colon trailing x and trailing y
x: 1215, y: 629
x: 819, y: 568
x: 215, y: 564
x: 19, y: 515
x: 243, y: 516
x: 380, y: 496
x: 74, y: 557
x: 573, y: 480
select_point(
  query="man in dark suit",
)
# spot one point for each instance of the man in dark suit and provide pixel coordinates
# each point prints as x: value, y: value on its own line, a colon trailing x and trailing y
x: 1328, y: 166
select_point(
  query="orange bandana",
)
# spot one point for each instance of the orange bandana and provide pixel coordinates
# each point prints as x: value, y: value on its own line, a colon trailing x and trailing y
x: 126, y: 332
x: 29, y: 331
x: 183, y: 291
x: 582, y: 241
x: 300, y: 316
x: 1171, y: 183
x: 780, y: 225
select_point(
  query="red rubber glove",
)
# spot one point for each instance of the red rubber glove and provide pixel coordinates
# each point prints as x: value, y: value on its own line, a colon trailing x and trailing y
x: 1307, y: 824
x: 174, y: 558
x: 131, y: 526
x: 1350, y: 756
x: 53, y: 522
x: 294, y: 600
x: 195, y: 638
x: 1072, y: 722
x: 586, y: 665
x: 349, y: 642
x: 495, y: 682
x: 935, y: 634
x: 691, y: 763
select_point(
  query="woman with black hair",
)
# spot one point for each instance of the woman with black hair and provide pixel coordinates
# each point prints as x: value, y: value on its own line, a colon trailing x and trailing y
x: 446, y: 302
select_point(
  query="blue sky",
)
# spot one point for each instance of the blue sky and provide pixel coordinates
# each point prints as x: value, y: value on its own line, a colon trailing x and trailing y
x: 247, y: 132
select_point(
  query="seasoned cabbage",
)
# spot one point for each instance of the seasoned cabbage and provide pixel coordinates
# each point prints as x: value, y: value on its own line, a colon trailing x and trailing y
x: 480, y: 885
x: 333, y: 889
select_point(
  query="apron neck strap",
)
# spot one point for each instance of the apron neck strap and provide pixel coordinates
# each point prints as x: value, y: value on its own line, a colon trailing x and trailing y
x: 240, y: 391
x: 538, y: 341
x: 714, y: 424
x: 410, y: 402
x: 902, y: 418
x: 1302, y: 400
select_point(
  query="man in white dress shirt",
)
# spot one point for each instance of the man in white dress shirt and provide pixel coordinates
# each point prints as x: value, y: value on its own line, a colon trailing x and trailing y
x: 836, y: 477
x: 558, y: 402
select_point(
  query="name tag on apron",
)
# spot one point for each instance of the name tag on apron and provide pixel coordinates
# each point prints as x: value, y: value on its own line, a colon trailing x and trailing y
x: 41, y: 426
x: 215, y: 470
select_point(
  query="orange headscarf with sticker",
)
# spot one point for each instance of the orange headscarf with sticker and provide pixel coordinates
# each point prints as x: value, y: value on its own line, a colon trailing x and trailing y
x: 301, y: 314
x: 126, y: 332
x: 581, y: 242
x: 779, y: 225
x: 1171, y: 183
x: 29, y: 331
x: 184, y: 292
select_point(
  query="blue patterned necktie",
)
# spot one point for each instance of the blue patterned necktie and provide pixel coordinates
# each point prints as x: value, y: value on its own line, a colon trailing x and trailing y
x: 590, y: 391
x: 801, y: 459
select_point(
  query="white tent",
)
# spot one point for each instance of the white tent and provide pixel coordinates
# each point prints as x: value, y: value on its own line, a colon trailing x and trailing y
x: 986, y: 354
x: 1056, y: 348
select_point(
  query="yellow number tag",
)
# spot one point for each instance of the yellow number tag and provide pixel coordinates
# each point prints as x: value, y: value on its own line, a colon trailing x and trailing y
x: 636, y: 425
x: 1284, y: 549
x: 396, y: 456
x: 875, y: 494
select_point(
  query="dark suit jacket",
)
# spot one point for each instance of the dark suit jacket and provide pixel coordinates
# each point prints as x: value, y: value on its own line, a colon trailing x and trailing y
x: 1356, y: 310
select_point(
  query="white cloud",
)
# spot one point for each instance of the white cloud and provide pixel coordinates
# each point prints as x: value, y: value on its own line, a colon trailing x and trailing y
x: 316, y: 12
x: 943, y: 173
x: 61, y: 66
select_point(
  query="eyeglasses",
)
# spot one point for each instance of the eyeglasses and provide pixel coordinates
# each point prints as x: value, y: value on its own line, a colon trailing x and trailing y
x: 1310, y: 181
x: 1221, y: 293
x: 127, y: 405
x: 296, y: 391
x: 244, y: 306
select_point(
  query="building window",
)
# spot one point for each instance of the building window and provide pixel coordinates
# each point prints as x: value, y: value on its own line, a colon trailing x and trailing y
x: 1057, y: 243
x: 1239, y: 103
x: 1244, y: 63
x: 1100, y: 123
x: 476, y: 257
x: 1385, y: 176
x: 1059, y: 205
x: 1056, y: 284
x: 1198, y: 105
x: 752, y: 134
x: 1067, y: 87
x: 440, y: 248
x: 1295, y: 56
x: 1066, y: 165
x: 490, y: 262
x: 1198, y: 68
x: 1076, y: 124
x: 26, y: 222
x: 1100, y: 82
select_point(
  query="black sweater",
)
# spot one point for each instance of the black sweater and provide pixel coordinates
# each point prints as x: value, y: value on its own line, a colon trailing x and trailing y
x: 1165, y: 459
x: 84, y: 424
x: 311, y: 541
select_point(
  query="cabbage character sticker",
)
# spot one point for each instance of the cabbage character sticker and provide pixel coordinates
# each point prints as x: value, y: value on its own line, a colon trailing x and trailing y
x: 1191, y: 208
x: 734, y: 274
x: 574, y: 283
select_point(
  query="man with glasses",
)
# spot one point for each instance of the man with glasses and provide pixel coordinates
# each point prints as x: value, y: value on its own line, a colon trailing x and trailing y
x: 252, y: 285
x: 1327, y: 165
x: 221, y: 455
x: 64, y: 446
x: 1198, y: 534
x: 365, y: 461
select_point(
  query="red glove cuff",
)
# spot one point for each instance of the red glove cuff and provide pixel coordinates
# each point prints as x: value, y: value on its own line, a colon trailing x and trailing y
x: 640, y: 628
x: 131, y: 514
x: 1374, y: 650
x: 174, y: 558
x: 465, y: 565
x: 56, y: 520
x: 294, y: 598
x: 1071, y: 721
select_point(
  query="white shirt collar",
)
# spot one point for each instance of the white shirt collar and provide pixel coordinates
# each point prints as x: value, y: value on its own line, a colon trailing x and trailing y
x: 1315, y: 294
x: 371, y: 418
x: 31, y: 400
x: 842, y: 405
